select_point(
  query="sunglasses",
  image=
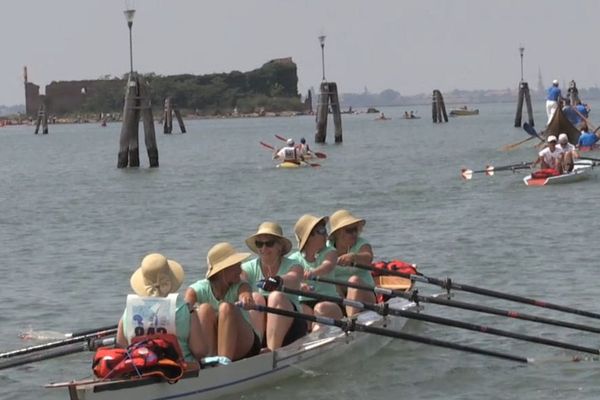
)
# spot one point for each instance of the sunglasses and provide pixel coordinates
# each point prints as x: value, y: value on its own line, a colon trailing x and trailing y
x: 269, y: 243
x: 351, y: 231
x: 319, y: 230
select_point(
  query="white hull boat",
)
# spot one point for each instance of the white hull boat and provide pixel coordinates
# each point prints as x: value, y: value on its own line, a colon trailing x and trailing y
x: 312, y: 351
x: 581, y: 170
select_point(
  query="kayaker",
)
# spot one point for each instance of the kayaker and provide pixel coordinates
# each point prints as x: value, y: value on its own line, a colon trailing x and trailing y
x: 317, y: 259
x: 569, y: 152
x: 271, y: 246
x: 225, y: 327
x: 552, y: 98
x: 288, y: 153
x: 303, y: 149
x: 587, y: 139
x: 159, y: 277
x: 351, y: 249
x: 550, y: 157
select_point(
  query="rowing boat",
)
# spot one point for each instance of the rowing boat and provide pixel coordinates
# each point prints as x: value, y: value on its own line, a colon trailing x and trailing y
x: 581, y: 170
x: 311, y: 351
x: 462, y: 112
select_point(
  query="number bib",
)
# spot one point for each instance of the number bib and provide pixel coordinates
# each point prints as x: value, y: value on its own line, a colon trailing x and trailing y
x: 150, y: 315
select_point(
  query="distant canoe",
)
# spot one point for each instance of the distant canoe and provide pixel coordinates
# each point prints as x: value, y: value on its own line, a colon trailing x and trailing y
x: 462, y: 112
x: 413, y: 117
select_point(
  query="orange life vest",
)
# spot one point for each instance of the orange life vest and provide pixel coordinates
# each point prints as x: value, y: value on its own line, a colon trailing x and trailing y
x: 158, y: 355
x: 389, y: 281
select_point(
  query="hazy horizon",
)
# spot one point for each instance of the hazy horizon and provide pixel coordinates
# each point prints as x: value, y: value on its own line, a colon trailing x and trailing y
x: 411, y: 47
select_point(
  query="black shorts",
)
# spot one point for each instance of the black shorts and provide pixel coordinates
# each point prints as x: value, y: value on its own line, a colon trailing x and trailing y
x: 255, y: 349
x: 298, y: 329
x: 310, y: 303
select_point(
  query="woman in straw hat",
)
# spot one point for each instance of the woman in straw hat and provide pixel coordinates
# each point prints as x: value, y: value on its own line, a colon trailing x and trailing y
x: 351, y: 249
x: 317, y: 259
x: 225, y: 327
x: 158, y: 277
x: 271, y: 246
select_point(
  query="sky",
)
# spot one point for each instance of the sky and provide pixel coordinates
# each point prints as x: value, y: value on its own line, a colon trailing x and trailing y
x: 411, y: 46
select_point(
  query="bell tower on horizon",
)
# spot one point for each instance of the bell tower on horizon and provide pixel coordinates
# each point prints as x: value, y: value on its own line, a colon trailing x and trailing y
x: 540, y: 83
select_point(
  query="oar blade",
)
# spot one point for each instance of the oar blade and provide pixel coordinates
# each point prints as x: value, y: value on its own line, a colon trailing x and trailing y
x: 320, y: 155
x: 466, y: 174
x: 268, y: 146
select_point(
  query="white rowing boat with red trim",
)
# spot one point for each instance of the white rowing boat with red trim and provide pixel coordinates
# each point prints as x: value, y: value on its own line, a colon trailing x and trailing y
x: 309, y: 352
x: 582, y: 170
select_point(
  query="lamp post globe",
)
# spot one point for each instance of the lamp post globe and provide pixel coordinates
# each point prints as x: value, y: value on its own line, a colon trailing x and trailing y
x: 129, y: 14
x: 322, y: 41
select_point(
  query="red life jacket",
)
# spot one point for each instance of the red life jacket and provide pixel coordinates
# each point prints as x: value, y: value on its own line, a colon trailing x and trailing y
x: 389, y: 281
x: 148, y: 355
x: 544, y: 173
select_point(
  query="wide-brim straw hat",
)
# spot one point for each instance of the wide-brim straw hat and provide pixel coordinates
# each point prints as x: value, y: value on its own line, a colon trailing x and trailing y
x: 157, y: 276
x: 304, y: 227
x: 343, y: 218
x: 271, y: 229
x: 222, y: 256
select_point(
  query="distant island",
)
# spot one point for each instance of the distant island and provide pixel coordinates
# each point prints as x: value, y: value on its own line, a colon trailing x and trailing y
x: 271, y: 89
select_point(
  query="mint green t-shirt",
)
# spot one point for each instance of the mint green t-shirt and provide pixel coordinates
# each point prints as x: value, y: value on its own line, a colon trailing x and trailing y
x: 254, y: 273
x: 204, y: 294
x: 343, y: 272
x: 319, y: 287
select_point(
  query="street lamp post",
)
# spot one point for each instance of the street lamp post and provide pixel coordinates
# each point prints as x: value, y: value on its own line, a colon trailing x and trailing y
x: 521, y: 50
x: 322, y: 41
x: 129, y: 17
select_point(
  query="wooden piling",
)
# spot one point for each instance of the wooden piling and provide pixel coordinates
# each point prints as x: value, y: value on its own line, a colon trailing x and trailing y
x: 328, y: 97
x: 148, y: 120
x: 438, y: 108
x: 168, y: 117
x: 169, y: 110
x: 42, y: 117
x: 179, y: 120
x: 526, y: 97
x: 128, y: 141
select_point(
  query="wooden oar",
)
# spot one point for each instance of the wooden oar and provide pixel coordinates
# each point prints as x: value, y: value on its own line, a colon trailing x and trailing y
x: 512, y: 146
x: 268, y: 146
x: 449, y: 284
x: 316, y: 153
x: 383, y: 309
x: 490, y: 169
x: 351, y: 325
x: 57, y: 352
x: 86, y: 337
x: 462, y: 305
x: 532, y: 135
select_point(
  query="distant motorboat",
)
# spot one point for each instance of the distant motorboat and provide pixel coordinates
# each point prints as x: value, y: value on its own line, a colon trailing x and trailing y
x: 459, y: 112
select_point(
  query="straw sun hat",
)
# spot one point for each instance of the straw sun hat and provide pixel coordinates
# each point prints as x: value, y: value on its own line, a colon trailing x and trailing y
x: 304, y: 227
x: 222, y: 256
x: 341, y: 219
x: 271, y: 229
x: 157, y: 276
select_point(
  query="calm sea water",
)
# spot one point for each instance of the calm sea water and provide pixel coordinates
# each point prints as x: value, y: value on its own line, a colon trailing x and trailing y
x: 73, y: 228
